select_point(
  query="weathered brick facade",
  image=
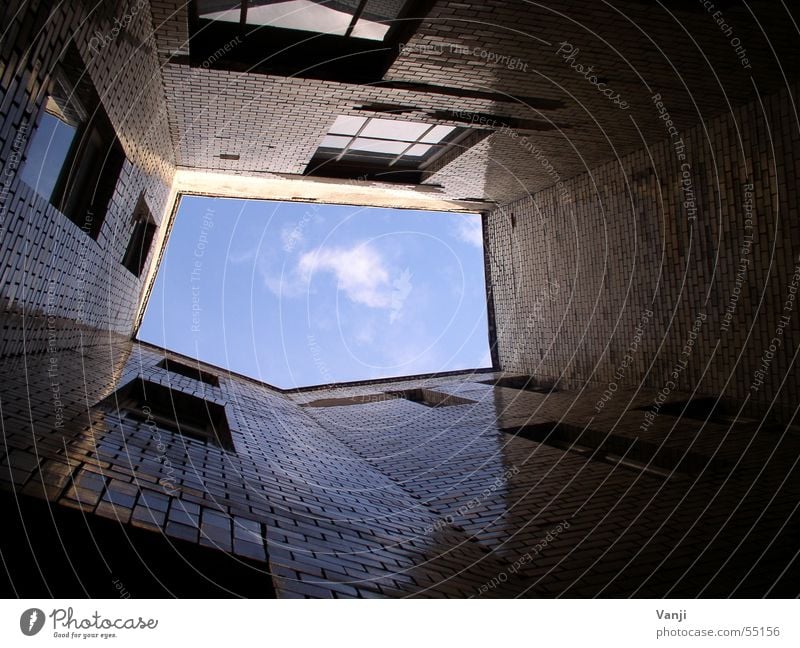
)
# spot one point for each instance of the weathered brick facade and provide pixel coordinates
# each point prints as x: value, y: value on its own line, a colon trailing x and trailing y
x: 573, y: 280
x: 617, y: 291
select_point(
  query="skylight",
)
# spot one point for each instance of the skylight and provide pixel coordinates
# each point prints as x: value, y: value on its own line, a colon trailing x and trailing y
x: 299, y: 294
x: 389, y: 150
x: 339, y: 18
x: 385, y: 137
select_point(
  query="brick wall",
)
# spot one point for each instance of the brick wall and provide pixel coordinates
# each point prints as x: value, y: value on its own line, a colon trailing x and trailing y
x: 396, y: 498
x: 276, y: 123
x: 573, y: 280
x: 599, y: 494
x: 331, y: 523
x: 58, y: 284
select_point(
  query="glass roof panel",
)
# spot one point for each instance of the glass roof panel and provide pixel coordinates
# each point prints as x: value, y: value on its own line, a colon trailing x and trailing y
x: 346, y: 125
x: 437, y: 134
x: 395, y: 129
x: 370, y: 30
x: 418, y: 149
x: 304, y: 15
x: 318, y: 16
x: 335, y: 141
x: 224, y: 10
x: 379, y: 146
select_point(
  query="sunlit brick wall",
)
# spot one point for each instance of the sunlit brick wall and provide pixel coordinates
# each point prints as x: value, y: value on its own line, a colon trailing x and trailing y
x: 58, y: 285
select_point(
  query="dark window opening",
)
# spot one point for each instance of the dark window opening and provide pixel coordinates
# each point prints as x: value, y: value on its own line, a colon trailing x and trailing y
x: 351, y: 41
x: 174, y: 411
x: 389, y: 150
x: 523, y: 383
x: 74, y: 158
x: 144, y: 228
x: 363, y: 399
x: 69, y: 554
x: 633, y: 453
x: 431, y: 398
x: 189, y: 372
x: 710, y: 409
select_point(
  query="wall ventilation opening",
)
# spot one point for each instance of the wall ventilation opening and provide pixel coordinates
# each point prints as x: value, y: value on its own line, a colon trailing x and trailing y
x: 524, y: 383
x: 431, y: 398
x: 634, y: 453
x: 174, y: 411
x: 392, y: 109
x: 706, y: 409
x: 189, y: 371
x: 363, y: 399
x: 141, y: 240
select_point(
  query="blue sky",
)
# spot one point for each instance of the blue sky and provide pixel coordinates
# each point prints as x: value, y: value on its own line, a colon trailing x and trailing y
x: 297, y: 294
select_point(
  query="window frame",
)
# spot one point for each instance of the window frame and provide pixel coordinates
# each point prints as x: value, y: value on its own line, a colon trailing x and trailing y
x: 146, y: 401
x: 93, y: 164
x: 401, y: 168
x: 141, y: 239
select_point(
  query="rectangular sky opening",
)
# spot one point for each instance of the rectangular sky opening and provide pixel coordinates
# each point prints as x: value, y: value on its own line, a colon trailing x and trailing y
x: 299, y: 294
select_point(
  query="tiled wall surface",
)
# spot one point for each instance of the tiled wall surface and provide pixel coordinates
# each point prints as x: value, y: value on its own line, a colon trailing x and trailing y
x: 275, y: 123
x: 395, y: 498
x: 332, y: 524
x: 58, y: 283
x: 579, y: 527
x: 573, y: 281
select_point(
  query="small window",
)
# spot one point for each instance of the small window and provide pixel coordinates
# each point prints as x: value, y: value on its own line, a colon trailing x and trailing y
x: 190, y: 372
x: 362, y: 399
x: 431, y: 398
x: 144, y: 228
x: 390, y: 150
x: 74, y: 158
x: 174, y: 411
x: 523, y: 383
x: 706, y: 409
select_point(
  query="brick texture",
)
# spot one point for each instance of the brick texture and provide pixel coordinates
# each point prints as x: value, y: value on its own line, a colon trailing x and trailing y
x: 62, y: 286
x: 621, y: 297
x: 573, y: 281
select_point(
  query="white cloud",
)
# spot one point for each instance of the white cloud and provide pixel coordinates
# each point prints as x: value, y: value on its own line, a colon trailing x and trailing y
x: 284, y: 283
x: 360, y: 273
x: 469, y: 230
x: 291, y: 237
x: 242, y: 257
